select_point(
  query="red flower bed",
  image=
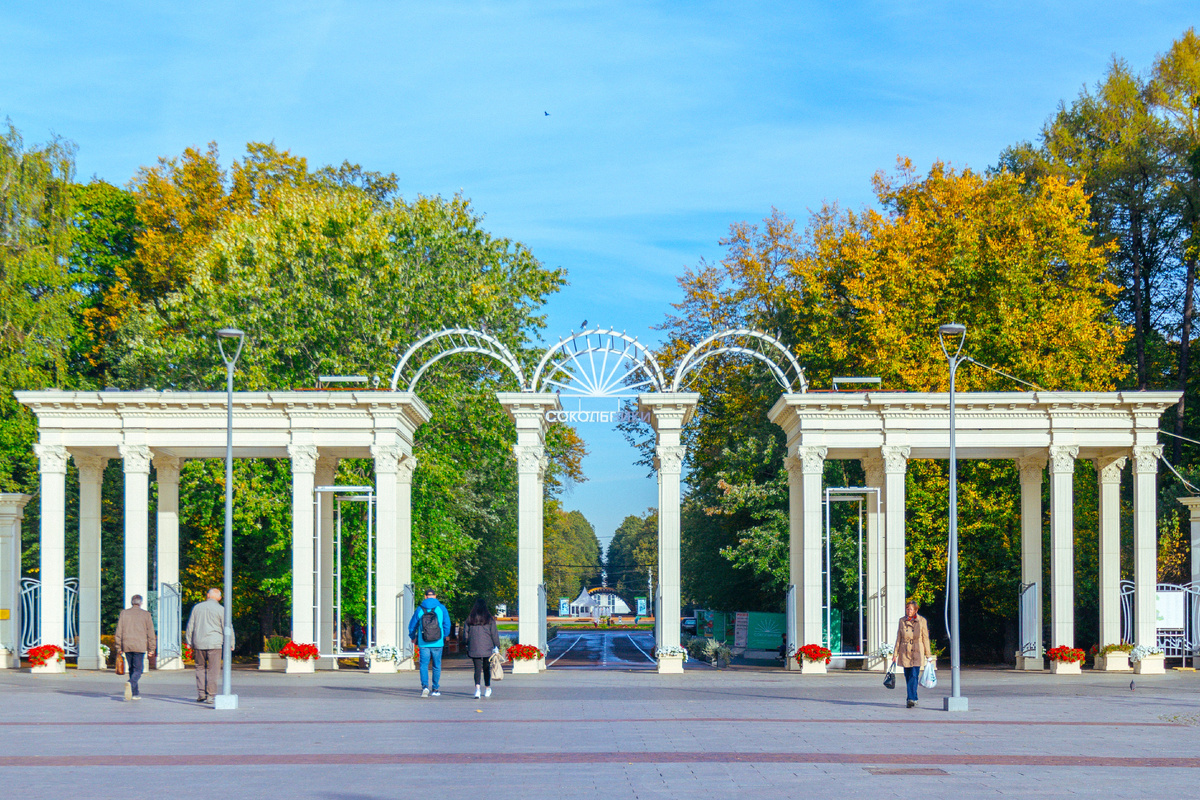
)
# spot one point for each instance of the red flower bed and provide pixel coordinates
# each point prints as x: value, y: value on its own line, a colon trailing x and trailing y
x: 524, y: 652
x: 1064, y: 653
x: 188, y: 656
x: 813, y: 652
x: 304, y: 652
x: 38, y: 656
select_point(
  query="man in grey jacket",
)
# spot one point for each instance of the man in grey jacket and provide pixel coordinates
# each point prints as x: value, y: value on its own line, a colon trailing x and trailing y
x: 206, y: 636
x: 134, y: 639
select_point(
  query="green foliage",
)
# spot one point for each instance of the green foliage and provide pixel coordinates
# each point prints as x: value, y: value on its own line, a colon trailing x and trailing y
x: 571, y: 554
x: 632, y: 552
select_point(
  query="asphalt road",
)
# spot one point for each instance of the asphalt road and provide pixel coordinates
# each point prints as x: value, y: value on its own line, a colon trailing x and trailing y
x: 601, y: 650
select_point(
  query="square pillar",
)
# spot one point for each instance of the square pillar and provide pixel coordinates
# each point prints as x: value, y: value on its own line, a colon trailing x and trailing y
x: 404, y: 481
x: 136, y: 464
x: 91, y: 478
x: 328, y: 627
x: 12, y: 511
x: 877, y: 633
x: 52, y: 467
x: 1145, y: 543
x: 1031, y: 469
x: 1193, y: 507
x: 1062, y: 545
x: 166, y: 471
x: 304, y: 466
x: 528, y: 413
x: 805, y: 467
x: 1108, y: 478
x: 895, y: 467
x: 387, y: 586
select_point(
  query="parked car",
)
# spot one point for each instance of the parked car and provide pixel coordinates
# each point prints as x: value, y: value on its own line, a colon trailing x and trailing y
x: 688, y: 625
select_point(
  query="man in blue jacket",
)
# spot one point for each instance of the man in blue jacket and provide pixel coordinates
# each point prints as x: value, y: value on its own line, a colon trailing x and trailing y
x: 428, y: 629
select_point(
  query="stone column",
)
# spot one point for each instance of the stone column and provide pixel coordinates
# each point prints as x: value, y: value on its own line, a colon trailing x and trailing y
x: 387, y: 586
x: 166, y: 471
x: 805, y: 466
x: 1193, y: 507
x: 1031, y: 469
x: 136, y: 463
x: 1108, y: 476
x: 1145, y: 544
x: 52, y: 462
x: 1062, y: 545
x: 91, y: 478
x: 895, y: 467
x: 877, y: 632
x: 527, y: 412
x: 12, y: 511
x: 304, y: 466
x: 668, y: 414
x: 404, y: 479
x: 328, y: 627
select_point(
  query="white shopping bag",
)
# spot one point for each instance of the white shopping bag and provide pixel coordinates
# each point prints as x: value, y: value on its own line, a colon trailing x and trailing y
x: 929, y: 675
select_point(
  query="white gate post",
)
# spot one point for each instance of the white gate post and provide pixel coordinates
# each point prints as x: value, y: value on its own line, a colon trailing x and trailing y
x: 304, y: 466
x: 1062, y: 545
x: 895, y: 467
x: 1031, y: 469
x: 52, y: 462
x: 668, y: 414
x: 404, y: 480
x: 91, y: 477
x: 1193, y: 507
x: 12, y: 511
x: 877, y: 633
x: 528, y: 413
x: 166, y: 470
x: 325, y: 473
x: 1108, y: 476
x: 1145, y: 544
x: 136, y: 463
x: 387, y: 462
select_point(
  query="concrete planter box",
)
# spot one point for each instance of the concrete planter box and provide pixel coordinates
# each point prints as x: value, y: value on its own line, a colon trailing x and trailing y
x: 670, y: 665
x: 55, y: 666
x: 525, y: 666
x: 1151, y: 665
x: 1113, y: 662
x: 1065, y: 668
x: 376, y: 667
x: 271, y: 661
x: 301, y: 666
x: 1027, y: 663
x: 809, y: 667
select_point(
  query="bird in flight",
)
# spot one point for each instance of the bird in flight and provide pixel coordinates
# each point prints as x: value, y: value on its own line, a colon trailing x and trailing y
x: 547, y: 113
x: 583, y: 326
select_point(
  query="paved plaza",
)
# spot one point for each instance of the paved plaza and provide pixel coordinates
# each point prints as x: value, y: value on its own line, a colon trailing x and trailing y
x: 580, y: 732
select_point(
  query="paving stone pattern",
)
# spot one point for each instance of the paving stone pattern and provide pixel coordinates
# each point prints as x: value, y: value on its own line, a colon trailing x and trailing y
x: 586, y: 733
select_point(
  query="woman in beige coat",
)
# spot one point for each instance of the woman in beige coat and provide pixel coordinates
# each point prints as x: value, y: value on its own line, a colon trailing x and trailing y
x: 912, y: 648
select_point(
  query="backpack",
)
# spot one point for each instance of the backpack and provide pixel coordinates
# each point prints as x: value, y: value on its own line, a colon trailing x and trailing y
x: 431, y: 628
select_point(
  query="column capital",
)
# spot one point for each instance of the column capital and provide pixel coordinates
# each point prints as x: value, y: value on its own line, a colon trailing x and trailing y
x: 167, y: 466
x: 404, y: 470
x: 530, y: 458
x: 806, y: 460
x: 52, y: 458
x: 1108, y: 469
x: 12, y: 508
x: 1145, y: 458
x: 91, y: 468
x: 1031, y: 468
x: 304, y: 457
x: 1062, y: 458
x: 387, y: 458
x: 669, y: 458
x: 136, y: 458
x: 895, y: 458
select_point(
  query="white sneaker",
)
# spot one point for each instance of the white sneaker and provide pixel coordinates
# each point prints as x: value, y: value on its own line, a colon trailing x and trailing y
x: 487, y: 692
x: 476, y: 692
x: 425, y: 692
x: 437, y: 694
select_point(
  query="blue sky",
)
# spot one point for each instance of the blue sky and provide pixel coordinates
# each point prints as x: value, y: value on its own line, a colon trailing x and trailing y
x: 667, y: 121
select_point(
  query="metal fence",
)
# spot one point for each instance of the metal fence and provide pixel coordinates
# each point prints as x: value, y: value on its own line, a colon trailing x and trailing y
x: 1027, y: 611
x: 169, y: 622
x: 31, y: 615
x: 1177, y: 607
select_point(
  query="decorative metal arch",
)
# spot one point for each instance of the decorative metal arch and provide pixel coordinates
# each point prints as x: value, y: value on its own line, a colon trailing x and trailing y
x: 743, y: 341
x: 452, y: 342
x: 571, y: 367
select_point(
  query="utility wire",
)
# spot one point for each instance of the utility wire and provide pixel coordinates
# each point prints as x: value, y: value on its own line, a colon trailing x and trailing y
x: 1177, y: 436
x: 1002, y: 372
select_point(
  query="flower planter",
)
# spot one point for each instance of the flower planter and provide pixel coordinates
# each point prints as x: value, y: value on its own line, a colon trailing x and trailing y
x: 1151, y: 665
x: 1065, y: 668
x: 810, y: 667
x: 301, y: 666
x: 1113, y: 662
x: 377, y: 667
x: 525, y: 666
x: 271, y: 661
x: 55, y: 666
x: 670, y: 665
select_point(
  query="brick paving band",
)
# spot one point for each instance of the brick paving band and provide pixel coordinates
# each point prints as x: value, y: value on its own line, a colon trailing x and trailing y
x: 600, y: 721
x: 445, y: 759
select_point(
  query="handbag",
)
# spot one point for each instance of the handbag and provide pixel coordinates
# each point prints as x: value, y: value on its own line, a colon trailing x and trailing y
x: 120, y: 663
x: 929, y: 675
x: 496, y: 665
x: 889, y: 680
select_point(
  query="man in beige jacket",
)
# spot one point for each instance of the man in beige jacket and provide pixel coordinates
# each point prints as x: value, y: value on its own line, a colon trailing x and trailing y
x: 206, y: 636
x: 134, y: 638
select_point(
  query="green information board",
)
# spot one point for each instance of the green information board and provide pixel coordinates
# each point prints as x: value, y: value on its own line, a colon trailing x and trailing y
x: 765, y: 631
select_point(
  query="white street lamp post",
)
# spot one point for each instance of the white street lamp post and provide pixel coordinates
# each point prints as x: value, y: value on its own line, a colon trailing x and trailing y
x: 955, y: 702
x: 227, y: 700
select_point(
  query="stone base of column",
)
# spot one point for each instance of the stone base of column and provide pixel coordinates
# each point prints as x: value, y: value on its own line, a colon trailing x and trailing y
x: 670, y: 665
x: 525, y: 666
x: 406, y: 665
x: 542, y: 664
x: 1030, y: 663
x: 877, y: 664
x: 9, y: 660
x: 95, y: 662
x: 327, y: 662
x: 55, y: 667
x: 791, y: 665
x: 170, y: 664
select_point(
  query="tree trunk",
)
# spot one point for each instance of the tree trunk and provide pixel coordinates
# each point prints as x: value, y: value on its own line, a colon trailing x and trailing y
x: 1185, y: 350
x: 1139, y: 327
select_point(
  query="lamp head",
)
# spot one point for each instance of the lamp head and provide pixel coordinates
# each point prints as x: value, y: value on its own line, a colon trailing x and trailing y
x: 232, y: 334
x: 952, y: 329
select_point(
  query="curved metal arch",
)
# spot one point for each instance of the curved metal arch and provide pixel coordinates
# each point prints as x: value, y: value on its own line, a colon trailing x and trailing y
x: 459, y: 341
x: 755, y: 344
x: 571, y: 369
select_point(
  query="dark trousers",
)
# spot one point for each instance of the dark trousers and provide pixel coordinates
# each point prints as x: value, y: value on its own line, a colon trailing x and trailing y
x: 483, y: 665
x: 135, y: 663
x: 911, y: 675
x: 208, y: 670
